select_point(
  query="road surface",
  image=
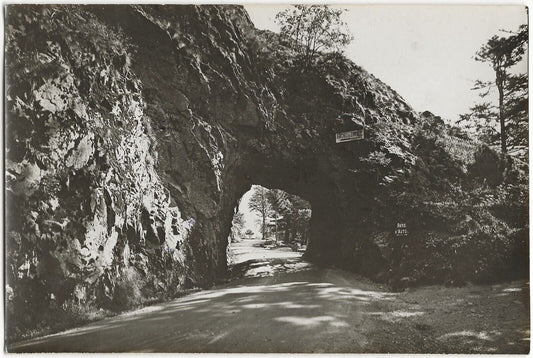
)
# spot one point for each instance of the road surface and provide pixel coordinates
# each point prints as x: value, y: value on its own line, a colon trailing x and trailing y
x: 288, y: 305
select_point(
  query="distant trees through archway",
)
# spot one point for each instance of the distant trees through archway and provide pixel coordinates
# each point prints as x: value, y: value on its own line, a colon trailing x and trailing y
x: 272, y: 215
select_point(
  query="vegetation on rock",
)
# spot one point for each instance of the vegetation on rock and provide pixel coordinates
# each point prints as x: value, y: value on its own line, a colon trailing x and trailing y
x: 314, y: 29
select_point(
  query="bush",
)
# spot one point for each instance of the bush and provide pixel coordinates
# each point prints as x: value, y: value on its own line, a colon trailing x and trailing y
x: 127, y: 291
x: 314, y: 28
x: 487, y: 166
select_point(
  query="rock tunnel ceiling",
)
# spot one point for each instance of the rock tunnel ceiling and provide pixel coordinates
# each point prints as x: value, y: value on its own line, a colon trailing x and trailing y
x: 141, y: 126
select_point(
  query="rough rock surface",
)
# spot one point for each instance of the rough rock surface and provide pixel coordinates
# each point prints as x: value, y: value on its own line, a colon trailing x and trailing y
x: 132, y: 131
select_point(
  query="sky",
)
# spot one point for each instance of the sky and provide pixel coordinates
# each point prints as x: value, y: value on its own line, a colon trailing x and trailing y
x: 424, y: 52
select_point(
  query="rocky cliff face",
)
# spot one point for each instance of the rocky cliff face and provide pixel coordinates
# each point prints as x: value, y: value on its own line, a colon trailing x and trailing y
x: 132, y: 131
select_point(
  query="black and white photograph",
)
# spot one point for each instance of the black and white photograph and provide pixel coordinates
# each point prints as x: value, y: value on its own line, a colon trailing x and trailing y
x: 266, y: 178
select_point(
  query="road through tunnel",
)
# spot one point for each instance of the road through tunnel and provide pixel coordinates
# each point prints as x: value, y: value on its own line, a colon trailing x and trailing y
x: 133, y: 136
x: 268, y: 224
x: 339, y: 225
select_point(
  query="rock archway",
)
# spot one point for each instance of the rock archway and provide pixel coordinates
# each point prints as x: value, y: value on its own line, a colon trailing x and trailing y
x: 134, y: 130
x: 221, y: 125
x: 337, y: 219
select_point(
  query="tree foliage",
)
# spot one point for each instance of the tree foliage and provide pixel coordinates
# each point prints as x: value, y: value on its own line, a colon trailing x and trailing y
x: 260, y: 204
x: 314, y: 29
x: 238, y: 220
x: 281, y: 213
x: 502, y: 53
x: 249, y: 233
x: 236, y: 226
x: 292, y: 215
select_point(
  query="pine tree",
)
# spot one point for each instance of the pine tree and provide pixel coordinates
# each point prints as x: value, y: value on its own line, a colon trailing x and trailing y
x: 502, y: 53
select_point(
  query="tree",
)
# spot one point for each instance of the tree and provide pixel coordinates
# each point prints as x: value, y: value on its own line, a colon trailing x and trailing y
x: 249, y: 233
x: 299, y: 218
x: 236, y: 225
x: 280, y: 207
x: 314, y: 28
x: 516, y: 111
x: 502, y: 53
x: 259, y: 203
x: 291, y: 213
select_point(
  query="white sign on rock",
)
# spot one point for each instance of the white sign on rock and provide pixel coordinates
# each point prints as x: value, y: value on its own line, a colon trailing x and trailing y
x: 349, y: 136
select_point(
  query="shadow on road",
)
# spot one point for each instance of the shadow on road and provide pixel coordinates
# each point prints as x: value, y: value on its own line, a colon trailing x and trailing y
x: 309, y: 310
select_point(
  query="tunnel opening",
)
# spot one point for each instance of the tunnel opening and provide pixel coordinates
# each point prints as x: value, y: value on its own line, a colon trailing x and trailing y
x: 268, y: 224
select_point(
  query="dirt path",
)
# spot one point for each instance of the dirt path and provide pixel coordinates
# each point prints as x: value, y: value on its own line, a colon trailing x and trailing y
x: 247, y: 250
x: 296, y: 307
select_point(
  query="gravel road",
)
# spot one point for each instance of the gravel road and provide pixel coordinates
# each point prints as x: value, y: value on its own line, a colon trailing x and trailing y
x: 283, y: 304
